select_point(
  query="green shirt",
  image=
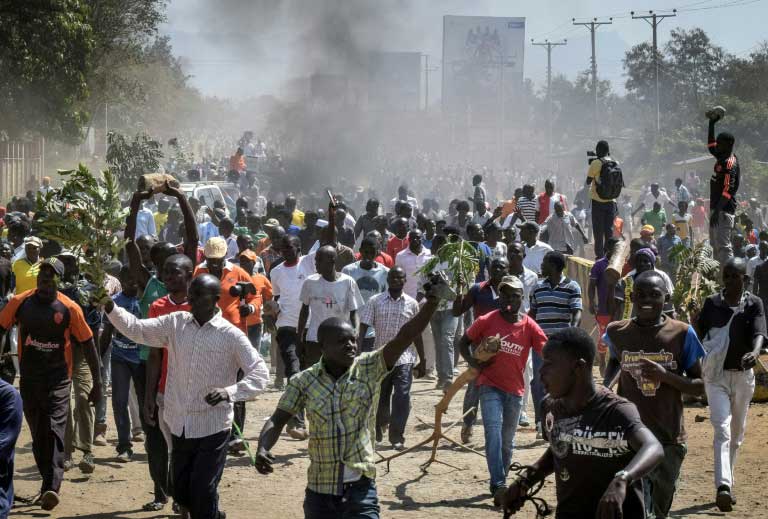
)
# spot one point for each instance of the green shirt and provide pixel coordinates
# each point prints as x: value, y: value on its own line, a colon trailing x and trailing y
x: 245, y: 231
x: 658, y: 220
x: 342, y: 419
x: 154, y: 290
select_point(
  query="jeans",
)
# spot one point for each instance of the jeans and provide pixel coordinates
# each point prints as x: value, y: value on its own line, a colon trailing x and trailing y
x: 443, y: 331
x: 729, y: 398
x: 359, y: 501
x: 197, y: 464
x: 720, y: 236
x: 537, y: 387
x: 501, y: 413
x: 395, y: 402
x: 122, y: 374
x: 660, y: 484
x: 603, y: 214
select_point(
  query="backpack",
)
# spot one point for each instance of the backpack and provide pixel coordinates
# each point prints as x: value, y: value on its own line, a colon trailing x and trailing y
x: 611, y: 180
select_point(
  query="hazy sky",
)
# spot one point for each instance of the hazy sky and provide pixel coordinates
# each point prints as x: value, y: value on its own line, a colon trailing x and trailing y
x: 242, y: 48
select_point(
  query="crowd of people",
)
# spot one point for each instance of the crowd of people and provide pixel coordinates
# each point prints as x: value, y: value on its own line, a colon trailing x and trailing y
x: 351, y: 308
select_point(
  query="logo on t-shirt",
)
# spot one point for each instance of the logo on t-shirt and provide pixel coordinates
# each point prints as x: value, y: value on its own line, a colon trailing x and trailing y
x: 511, y: 347
x: 41, y: 346
x: 58, y: 317
x: 568, y: 436
x: 630, y: 362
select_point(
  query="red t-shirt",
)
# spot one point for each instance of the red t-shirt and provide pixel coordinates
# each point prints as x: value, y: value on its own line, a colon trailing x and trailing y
x: 165, y: 306
x: 545, y: 201
x: 382, y: 259
x: 506, y: 369
x: 395, y: 245
x: 699, y: 216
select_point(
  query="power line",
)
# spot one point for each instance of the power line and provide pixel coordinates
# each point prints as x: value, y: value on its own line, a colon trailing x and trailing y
x: 549, y: 46
x: 593, y: 26
x: 654, y: 20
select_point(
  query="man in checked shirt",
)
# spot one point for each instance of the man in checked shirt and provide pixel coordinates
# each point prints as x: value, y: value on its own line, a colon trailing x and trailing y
x: 204, y: 353
x: 340, y: 394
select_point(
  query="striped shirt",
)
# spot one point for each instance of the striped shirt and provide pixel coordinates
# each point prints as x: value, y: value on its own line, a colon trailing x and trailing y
x: 528, y: 206
x: 387, y: 316
x: 200, y: 358
x: 553, y: 305
x: 342, y: 416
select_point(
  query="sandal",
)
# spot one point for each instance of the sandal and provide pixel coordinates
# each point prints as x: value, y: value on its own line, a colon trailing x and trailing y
x: 154, y: 506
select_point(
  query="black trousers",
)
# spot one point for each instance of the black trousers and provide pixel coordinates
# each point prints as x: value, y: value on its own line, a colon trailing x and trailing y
x: 288, y: 342
x: 46, y: 407
x: 603, y: 214
x: 196, y: 465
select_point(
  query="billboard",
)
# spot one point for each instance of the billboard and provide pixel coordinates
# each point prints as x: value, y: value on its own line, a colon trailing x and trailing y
x: 394, y: 81
x: 482, y: 64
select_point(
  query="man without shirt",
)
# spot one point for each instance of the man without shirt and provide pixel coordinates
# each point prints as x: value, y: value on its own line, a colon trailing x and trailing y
x: 656, y: 360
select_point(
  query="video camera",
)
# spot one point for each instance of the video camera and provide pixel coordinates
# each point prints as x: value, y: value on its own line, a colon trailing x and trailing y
x: 242, y: 289
x: 591, y: 155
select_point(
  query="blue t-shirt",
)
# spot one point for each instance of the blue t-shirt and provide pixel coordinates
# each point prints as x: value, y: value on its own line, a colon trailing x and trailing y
x: 123, y: 348
x: 484, y: 299
x: 10, y: 426
x: 486, y: 254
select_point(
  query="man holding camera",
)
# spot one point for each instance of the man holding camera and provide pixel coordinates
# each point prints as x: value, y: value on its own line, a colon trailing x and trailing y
x: 605, y: 180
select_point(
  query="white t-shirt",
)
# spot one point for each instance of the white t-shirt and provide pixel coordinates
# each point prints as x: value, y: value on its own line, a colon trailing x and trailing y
x: 752, y: 264
x: 535, y: 255
x: 370, y: 282
x: 663, y: 199
x: 286, y: 283
x: 327, y: 299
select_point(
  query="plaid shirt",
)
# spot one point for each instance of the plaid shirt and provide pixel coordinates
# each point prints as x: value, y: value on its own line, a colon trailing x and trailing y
x: 342, y: 416
x: 387, y: 316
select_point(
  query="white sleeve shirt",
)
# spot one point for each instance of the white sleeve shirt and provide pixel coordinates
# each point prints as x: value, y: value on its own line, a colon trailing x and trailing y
x: 200, y: 359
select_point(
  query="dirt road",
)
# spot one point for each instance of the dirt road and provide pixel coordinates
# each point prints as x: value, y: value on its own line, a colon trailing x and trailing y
x: 118, y: 490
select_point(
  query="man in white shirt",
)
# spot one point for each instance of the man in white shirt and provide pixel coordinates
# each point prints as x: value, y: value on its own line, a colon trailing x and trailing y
x: 560, y: 226
x: 535, y: 250
x: 145, y: 223
x: 402, y: 195
x: 324, y: 295
x: 46, y: 187
x: 411, y: 260
x: 205, y: 352
x: 654, y: 194
x: 753, y: 263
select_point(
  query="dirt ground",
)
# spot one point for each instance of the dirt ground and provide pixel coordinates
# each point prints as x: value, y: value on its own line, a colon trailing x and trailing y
x: 117, y: 490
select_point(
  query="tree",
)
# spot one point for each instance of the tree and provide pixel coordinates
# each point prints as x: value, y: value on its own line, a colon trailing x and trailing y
x: 129, y: 160
x: 45, y: 58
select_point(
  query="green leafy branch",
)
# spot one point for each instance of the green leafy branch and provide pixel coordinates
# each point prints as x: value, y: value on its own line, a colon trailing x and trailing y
x: 697, y: 276
x: 462, y: 262
x: 85, y: 215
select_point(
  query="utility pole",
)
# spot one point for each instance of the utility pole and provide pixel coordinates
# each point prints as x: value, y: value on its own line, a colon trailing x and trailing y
x: 654, y: 20
x: 592, y: 26
x: 549, y: 45
x: 427, y: 70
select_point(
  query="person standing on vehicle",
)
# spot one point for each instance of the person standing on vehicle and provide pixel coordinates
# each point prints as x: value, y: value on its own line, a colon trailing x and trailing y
x: 605, y: 179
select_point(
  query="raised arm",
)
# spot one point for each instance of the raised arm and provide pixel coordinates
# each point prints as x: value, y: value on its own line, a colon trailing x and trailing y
x: 711, y: 142
x: 154, y: 333
x: 136, y: 266
x: 191, y: 234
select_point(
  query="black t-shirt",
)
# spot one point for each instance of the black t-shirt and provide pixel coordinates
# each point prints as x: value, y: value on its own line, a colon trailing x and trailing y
x: 589, y: 449
x: 744, y: 327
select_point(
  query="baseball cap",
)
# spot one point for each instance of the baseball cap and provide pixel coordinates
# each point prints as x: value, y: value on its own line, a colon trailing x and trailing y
x: 215, y: 248
x: 528, y: 225
x: 272, y: 222
x: 55, y: 264
x: 512, y: 282
x: 647, y: 229
x: 248, y: 253
x: 33, y: 240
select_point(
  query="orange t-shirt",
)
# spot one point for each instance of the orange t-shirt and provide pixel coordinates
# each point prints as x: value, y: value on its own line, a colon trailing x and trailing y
x: 229, y: 304
x: 45, y: 334
x: 263, y: 293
